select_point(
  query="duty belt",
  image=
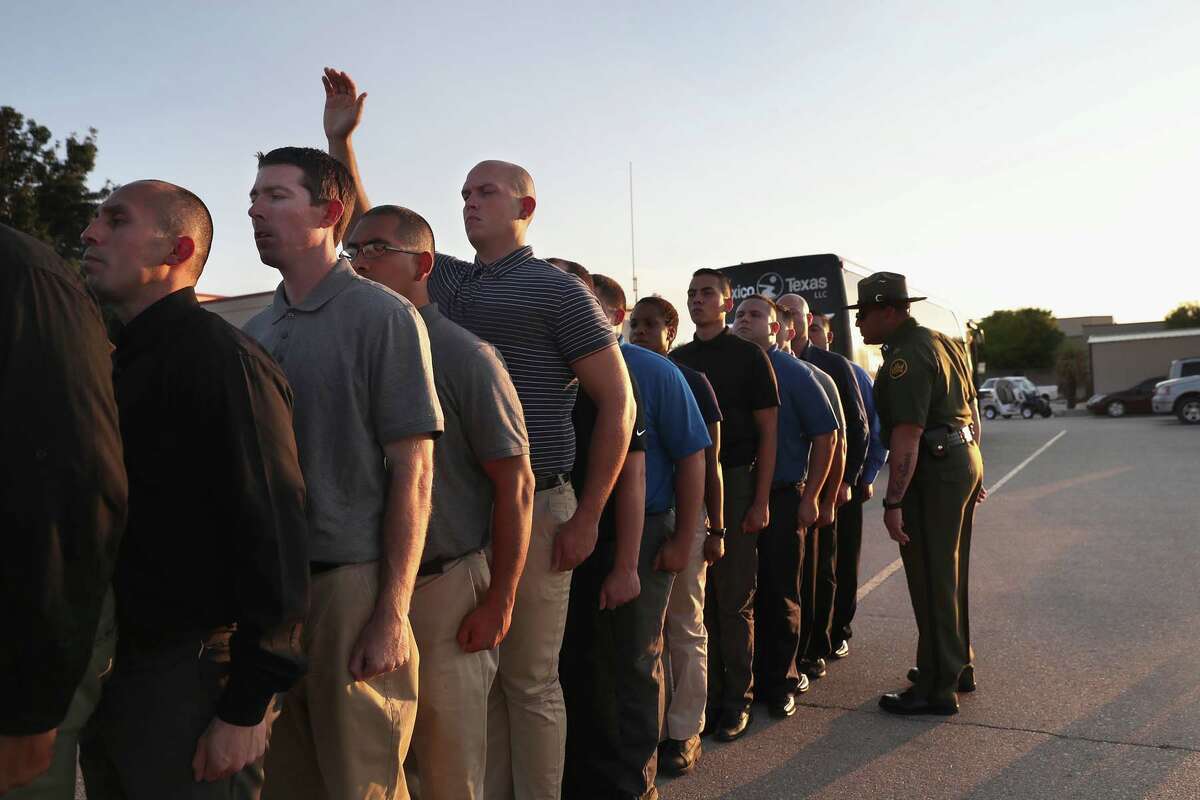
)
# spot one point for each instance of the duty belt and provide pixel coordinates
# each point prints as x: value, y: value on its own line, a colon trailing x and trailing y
x: 958, y: 436
x: 941, y: 438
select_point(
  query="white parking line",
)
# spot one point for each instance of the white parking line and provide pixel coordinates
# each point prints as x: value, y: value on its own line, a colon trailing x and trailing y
x: 891, y: 568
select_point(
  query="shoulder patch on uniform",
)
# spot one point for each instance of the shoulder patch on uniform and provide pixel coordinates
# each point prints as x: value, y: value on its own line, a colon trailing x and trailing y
x: 898, y: 368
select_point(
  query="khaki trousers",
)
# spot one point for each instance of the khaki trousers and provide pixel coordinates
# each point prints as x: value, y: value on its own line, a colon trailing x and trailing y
x: 526, y: 719
x: 687, y: 645
x: 450, y: 739
x: 338, y: 738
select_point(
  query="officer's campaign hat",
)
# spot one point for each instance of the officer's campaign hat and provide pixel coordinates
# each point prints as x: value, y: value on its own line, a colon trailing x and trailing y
x: 883, y: 288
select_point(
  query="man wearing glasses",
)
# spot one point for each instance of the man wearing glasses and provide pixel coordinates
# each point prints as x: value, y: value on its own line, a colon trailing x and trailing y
x: 366, y: 414
x: 482, y: 500
x: 555, y: 340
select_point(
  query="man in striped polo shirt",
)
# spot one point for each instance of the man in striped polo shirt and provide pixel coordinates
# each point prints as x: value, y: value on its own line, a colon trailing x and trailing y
x: 551, y: 332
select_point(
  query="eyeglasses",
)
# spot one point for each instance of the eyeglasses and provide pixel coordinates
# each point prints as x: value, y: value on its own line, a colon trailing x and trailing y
x: 374, y: 250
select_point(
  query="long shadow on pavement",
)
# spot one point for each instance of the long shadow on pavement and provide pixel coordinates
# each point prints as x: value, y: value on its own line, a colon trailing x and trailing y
x: 1090, y: 758
x: 852, y: 740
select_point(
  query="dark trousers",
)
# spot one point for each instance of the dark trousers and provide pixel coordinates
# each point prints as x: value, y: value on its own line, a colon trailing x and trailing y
x: 818, y: 586
x: 612, y: 675
x: 729, y: 603
x: 777, y: 606
x: 849, y: 550
x: 939, y: 510
x: 157, y: 702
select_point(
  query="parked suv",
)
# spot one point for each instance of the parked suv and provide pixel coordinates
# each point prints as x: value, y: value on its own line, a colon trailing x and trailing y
x: 1134, y: 400
x: 1180, y: 393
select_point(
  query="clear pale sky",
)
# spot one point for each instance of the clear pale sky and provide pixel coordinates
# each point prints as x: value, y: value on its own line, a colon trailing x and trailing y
x: 1001, y: 155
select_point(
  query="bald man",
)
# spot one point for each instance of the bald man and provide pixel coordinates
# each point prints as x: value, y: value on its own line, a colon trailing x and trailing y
x: 819, y: 638
x: 554, y: 339
x: 212, y: 577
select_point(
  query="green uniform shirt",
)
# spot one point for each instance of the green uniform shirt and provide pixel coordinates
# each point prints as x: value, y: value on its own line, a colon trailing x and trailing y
x: 924, y: 381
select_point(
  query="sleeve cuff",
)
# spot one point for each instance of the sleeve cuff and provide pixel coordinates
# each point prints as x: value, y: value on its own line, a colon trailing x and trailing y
x: 242, y: 703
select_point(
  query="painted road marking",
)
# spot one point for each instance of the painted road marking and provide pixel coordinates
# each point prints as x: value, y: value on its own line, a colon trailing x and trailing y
x: 891, y: 568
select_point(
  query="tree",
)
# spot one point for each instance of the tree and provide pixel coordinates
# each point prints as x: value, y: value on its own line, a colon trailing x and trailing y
x: 1073, y: 371
x: 1185, y: 315
x: 1026, y: 338
x: 43, y: 183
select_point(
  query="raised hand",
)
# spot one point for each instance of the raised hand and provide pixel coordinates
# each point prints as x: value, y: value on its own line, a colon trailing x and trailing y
x: 343, y: 104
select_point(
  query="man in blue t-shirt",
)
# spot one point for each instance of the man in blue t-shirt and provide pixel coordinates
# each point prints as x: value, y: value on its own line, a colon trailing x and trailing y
x: 849, y: 517
x: 654, y: 325
x: 804, y: 453
x: 818, y: 641
x: 625, y: 728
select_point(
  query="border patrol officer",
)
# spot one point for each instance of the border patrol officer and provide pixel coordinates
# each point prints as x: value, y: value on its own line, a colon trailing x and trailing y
x: 929, y: 413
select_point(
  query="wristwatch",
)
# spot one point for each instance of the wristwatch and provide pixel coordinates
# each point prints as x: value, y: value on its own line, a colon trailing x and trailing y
x: 890, y: 506
x: 717, y: 532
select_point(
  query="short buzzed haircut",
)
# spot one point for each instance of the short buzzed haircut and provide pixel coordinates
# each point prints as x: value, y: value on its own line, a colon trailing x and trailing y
x: 722, y: 279
x: 324, y: 177
x: 576, y: 269
x: 665, y: 309
x: 609, y: 292
x: 519, y: 178
x: 182, y: 213
x: 822, y: 320
x: 412, y: 230
x: 770, y: 303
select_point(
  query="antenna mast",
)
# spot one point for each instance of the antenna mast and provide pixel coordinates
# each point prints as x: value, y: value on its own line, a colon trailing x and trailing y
x: 632, y: 247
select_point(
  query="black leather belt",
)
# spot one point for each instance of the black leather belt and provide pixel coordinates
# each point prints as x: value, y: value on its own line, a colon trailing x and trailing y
x: 550, y: 482
x: 794, y: 486
x: 438, y: 565
x: 317, y: 567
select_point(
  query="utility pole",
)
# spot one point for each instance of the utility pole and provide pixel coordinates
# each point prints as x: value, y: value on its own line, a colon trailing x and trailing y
x: 632, y: 247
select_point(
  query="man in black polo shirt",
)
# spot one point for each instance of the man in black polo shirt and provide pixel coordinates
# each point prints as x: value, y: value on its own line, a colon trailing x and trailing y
x: 744, y: 381
x: 554, y: 339
x: 817, y: 641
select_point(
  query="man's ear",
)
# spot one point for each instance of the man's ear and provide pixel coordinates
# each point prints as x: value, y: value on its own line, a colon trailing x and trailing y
x: 618, y: 316
x: 775, y: 328
x: 791, y: 334
x: 333, y: 213
x: 424, y: 265
x: 184, y: 249
x: 671, y: 334
x: 728, y: 306
x: 528, y: 204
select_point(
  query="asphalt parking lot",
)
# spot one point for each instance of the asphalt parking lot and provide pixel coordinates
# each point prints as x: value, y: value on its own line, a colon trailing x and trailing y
x: 1086, y: 624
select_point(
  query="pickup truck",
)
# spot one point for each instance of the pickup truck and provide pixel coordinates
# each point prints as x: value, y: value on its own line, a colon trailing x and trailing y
x: 1179, y: 394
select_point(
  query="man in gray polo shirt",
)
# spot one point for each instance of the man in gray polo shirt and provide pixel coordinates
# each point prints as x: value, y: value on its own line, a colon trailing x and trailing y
x: 482, y: 496
x: 554, y: 340
x: 366, y: 413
